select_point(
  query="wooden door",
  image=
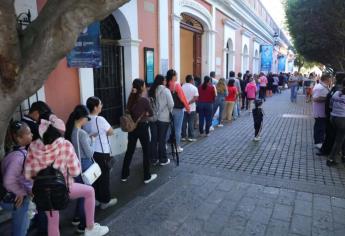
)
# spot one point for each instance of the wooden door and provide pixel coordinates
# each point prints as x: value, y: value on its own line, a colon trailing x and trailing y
x: 197, y: 54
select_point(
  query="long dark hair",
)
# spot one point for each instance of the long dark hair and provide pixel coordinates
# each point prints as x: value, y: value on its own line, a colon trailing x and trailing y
x: 92, y: 102
x: 51, y: 135
x: 137, y: 90
x: 79, y: 112
x: 170, y: 75
x: 207, y: 80
x: 159, y: 80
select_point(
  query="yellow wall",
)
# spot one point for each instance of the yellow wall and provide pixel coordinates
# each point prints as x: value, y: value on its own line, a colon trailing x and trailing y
x: 186, y: 54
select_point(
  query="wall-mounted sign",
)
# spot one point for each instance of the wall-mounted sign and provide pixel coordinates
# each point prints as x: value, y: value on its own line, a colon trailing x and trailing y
x: 87, y: 50
x: 281, y: 63
x: 149, y: 64
x: 266, y: 57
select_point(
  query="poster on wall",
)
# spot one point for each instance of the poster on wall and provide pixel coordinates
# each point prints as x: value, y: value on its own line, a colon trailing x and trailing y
x: 290, y: 66
x: 266, y: 57
x: 281, y: 63
x: 87, y: 50
x: 149, y: 65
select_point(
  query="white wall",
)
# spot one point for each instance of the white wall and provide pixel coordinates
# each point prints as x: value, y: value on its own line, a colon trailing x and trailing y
x: 245, y: 58
x: 229, y: 33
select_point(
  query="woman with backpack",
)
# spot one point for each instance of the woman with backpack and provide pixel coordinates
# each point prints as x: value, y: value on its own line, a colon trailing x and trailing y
x: 140, y: 110
x: 16, y: 187
x: 83, y: 147
x: 53, y: 152
x: 207, y: 95
x: 180, y: 103
x: 99, y: 128
x: 162, y: 103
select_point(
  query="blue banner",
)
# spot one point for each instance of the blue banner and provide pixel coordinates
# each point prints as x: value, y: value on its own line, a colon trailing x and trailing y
x: 87, y: 50
x: 281, y: 64
x: 266, y: 57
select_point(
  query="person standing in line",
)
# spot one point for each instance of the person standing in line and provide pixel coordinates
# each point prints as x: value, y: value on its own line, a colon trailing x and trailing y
x: 230, y: 99
x: 139, y: 108
x: 50, y: 149
x: 164, y: 104
x: 293, y: 84
x: 243, y: 84
x: 99, y: 128
x: 236, y: 111
x: 338, y: 121
x: 180, y: 103
x: 320, y: 92
x: 83, y: 147
x: 192, y: 95
x: 276, y: 84
x: 222, y: 93
x: 308, y: 84
x: 270, y: 82
x: 263, y: 85
x: 330, y: 131
x: 258, y: 116
x: 206, y: 99
x: 251, y: 93
x: 17, y: 199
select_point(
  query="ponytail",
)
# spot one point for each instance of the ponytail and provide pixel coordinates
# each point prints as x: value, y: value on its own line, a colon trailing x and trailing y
x: 70, y: 126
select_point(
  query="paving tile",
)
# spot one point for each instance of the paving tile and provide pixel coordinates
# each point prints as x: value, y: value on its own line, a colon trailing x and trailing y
x: 282, y: 212
x: 301, y: 225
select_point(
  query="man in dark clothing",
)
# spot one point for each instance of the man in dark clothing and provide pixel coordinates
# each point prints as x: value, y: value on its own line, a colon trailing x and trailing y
x: 258, y: 116
x: 330, y: 132
x: 243, y: 83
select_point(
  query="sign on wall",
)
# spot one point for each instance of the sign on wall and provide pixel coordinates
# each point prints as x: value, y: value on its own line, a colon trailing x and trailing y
x: 149, y: 65
x: 266, y: 57
x: 281, y: 63
x: 87, y: 50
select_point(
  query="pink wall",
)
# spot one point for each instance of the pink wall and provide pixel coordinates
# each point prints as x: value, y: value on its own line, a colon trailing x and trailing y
x: 148, y: 33
x: 238, y: 51
x: 220, y: 41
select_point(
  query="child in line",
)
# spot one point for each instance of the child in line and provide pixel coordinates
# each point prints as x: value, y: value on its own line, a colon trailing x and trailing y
x: 258, y: 116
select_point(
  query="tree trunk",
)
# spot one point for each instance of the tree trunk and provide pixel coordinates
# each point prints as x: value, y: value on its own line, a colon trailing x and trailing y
x: 28, y: 57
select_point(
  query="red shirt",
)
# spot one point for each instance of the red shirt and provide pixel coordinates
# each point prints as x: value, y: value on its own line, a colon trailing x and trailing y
x: 232, y: 94
x: 206, y: 95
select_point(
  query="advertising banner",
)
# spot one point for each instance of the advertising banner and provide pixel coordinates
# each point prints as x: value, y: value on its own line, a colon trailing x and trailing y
x: 282, y: 63
x: 266, y: 57
x: 87, y: 50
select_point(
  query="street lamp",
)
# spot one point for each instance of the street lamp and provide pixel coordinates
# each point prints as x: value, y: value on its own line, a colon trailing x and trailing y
x: 276, y: 38
x: 23, y: 19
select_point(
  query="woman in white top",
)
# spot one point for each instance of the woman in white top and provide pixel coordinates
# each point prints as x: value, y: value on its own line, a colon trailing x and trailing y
x: 99, y: 128
x: 338, y: 121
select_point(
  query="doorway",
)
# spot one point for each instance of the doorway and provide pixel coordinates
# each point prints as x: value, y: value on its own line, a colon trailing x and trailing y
x: 190, y: 47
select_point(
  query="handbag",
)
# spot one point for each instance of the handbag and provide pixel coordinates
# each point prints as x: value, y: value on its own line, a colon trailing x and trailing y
x: 177, y: 101
x: 93, y: 172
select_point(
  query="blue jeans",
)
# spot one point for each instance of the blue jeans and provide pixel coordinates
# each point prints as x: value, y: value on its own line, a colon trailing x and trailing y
x: 178, y: 120
x: 188, y: 120
x: 20, y: 217
x: 293, y: 93
x: 236, y: 112
x: 205, y: 114
x: 220, y: 102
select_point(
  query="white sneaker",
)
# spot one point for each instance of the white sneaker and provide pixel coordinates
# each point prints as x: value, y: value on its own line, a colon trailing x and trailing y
x: 153, y: 177
x: 318, y: 145
x: 165, y: 163
x: 257, y: 139
x: 183, y: 139
x: 211, y: 128
x: 220, y: 125
x: 124, y: 180
x: 97, y: 230
x: 191, y: 139
x: 97, y: 203
x: 111, y: 203
x: 179, y: 149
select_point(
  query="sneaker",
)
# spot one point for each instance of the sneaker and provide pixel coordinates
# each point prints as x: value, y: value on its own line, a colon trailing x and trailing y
x: 80, y: 230
x: 257, y: 139
x: 75, y: 221
x: 165, y: 163
x: 97, y: 230
x: 183, y: 139
x: 179, y: 149
x: 211, y: 128
x: 331, y: 163
x: 192, y: 140
x: 153, y: 177
x: 97, y: 203
x: 124, y: 179
x: 111, y: 203
x: 318, y: 145
x: 220, y: 125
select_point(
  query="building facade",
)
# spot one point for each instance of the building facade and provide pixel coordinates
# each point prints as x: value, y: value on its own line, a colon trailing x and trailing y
x: 190, y: 36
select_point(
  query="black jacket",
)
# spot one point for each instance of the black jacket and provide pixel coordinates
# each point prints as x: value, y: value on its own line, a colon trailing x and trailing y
x: 258, y: 115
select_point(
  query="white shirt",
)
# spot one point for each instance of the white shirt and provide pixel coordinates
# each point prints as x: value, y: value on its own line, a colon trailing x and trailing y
x: 190, y: 91
x: 100, y: 144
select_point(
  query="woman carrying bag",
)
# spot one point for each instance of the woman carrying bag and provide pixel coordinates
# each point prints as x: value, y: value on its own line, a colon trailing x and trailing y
x: 83, y: 147
x: 99, y: 128
x: 139, y: 109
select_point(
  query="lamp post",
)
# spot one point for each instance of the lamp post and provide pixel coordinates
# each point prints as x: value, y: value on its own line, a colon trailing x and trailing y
x: 23, y: 20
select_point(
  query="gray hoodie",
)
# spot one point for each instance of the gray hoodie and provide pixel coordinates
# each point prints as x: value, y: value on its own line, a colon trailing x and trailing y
x: 164, y: 103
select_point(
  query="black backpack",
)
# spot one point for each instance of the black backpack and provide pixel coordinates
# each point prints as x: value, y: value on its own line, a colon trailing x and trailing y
x: 50, y: 190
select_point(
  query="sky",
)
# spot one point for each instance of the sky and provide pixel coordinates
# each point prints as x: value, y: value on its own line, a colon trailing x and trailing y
x: 276, y: 10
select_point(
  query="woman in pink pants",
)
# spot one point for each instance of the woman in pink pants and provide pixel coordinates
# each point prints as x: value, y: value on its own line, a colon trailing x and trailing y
x: 52, y: 147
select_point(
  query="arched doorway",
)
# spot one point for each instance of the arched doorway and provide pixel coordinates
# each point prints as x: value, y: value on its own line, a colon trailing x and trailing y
x: 109, y: 78
x: 245, y: 59
x: 190, y: 46
x: 229, y: 57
